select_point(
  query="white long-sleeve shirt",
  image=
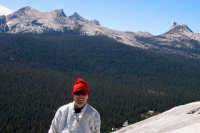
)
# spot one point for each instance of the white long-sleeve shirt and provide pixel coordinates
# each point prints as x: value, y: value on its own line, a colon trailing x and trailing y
x: 67, y: 121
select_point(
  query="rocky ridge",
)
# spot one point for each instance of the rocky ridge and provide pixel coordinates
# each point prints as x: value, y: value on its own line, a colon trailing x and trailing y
x: 179, y: 39
x: 29, y: 20
x: 180, y: 119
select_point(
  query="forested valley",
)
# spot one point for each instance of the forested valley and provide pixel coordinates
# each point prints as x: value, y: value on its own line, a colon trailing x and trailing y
x: 37, y: 73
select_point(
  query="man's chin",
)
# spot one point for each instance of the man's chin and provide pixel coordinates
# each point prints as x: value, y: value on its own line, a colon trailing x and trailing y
x: 81, y: 103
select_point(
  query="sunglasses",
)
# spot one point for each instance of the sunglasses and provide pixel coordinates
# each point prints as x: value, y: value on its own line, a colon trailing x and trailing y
x: 78, y: 93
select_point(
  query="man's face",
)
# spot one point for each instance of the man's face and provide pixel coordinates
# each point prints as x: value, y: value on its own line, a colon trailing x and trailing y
x: 80, y: 98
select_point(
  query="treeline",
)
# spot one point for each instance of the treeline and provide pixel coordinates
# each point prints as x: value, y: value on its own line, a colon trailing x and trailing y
x: 37, y: 73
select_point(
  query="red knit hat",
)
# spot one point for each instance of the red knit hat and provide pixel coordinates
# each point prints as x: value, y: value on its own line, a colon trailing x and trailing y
x: 81, y: 85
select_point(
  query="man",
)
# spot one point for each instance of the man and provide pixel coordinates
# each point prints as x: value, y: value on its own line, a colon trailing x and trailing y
x: 78, y: 116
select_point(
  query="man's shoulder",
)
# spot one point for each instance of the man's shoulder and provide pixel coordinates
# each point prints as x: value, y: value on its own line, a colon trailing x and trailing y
x: 91, y: 109
x: 66, y: 106
x: 63, y: 110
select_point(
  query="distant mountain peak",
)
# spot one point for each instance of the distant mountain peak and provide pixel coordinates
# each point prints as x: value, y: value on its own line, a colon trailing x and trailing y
x: 33, y: 12
x: 174, y: 25
x: 176, y: 28
x: 76, y: 16
x: 25, y: 9
x: 60, y: 13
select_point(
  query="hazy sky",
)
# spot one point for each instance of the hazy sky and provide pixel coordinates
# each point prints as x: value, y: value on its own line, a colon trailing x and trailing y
x: 153, y: 16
